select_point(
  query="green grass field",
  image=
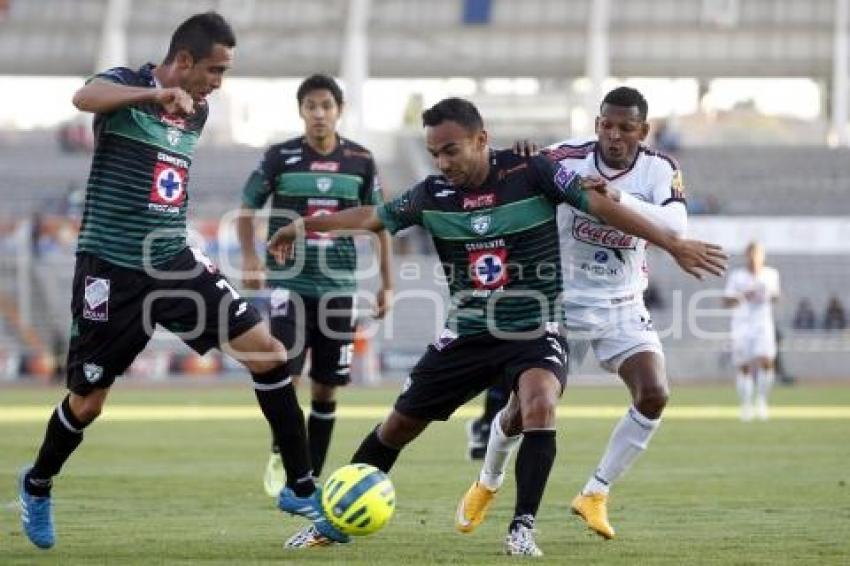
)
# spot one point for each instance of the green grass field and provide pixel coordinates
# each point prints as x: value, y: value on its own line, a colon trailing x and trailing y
x: 186, y: 487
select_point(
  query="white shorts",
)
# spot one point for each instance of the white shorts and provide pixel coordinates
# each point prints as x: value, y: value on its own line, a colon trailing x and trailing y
x: 751, y: 343
x: 615, y: 333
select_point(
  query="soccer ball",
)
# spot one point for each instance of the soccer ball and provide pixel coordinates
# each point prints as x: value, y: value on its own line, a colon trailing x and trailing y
x: 358, y: 499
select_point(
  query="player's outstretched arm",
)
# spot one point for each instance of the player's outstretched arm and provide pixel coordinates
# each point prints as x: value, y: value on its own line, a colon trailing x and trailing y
x: 693, y: 256
x: 363, y: 218
x: 101, y: 96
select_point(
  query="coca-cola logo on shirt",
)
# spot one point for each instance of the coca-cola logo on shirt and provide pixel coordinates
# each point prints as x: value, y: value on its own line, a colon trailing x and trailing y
x: 590, y: 232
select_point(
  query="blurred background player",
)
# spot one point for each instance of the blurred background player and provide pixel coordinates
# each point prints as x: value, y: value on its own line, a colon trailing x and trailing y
x: 752, y: 291
x: 317, y: 173
x: 605, y: 275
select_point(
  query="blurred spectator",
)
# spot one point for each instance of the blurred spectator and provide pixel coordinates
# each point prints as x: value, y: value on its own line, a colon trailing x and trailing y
x: 665, y: 137
x: 804, y: 318
x: 75, y: 136
x: 707, y: 204
x: 835, y: 318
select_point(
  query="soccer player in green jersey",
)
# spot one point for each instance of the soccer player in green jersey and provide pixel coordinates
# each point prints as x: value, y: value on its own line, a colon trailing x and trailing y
x: 492, y: 217
x: 312, y: 295
x: 134, y: 269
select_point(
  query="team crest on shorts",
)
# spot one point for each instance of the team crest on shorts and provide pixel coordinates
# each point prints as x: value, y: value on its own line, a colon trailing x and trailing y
x: 489, y: 268
x: 96, y: 299
x: 92, y: 372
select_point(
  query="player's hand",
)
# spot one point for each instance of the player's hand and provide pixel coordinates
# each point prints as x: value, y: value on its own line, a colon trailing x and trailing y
x: 385, y: 303
x: 601, y: 186
x: 175, y: 100
x: 697, y: 258
x: 526, y: 148
x: 282, y: 243
x: 253, y: 275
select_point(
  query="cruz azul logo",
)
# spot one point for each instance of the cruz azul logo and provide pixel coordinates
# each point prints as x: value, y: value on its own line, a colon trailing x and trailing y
x: 489, y: 268
x: 590, y: 232
x: 168, y: 189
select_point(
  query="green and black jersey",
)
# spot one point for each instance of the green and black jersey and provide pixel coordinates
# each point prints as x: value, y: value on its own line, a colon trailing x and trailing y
x: 301, y: 183
x: 136, y: 198
x: 498, y: 243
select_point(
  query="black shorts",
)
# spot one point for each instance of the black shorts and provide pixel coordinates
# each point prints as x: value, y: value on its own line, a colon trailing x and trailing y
x: 325, y: 326
x: 115, y: 310
x: 450, y: 374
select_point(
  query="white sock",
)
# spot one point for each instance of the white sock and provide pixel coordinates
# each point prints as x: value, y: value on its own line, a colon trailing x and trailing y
x: 744, y: 385
x: 630, y: 438
x: 763, y: 383
x: 499, y: 450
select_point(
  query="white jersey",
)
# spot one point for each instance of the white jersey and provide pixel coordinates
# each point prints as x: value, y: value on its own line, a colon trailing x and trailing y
x: 753, y: 314
x: 603, y: 266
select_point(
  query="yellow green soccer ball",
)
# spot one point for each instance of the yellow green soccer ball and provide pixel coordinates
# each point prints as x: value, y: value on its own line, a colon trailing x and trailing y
x: 358, y: 499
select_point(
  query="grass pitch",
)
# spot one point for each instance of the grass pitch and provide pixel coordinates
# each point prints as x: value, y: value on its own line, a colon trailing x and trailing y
x: 174, y: 476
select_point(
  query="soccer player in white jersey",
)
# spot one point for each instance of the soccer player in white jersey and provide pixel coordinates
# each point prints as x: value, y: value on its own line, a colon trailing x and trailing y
x: 605, y: 274
x: 752, y: 291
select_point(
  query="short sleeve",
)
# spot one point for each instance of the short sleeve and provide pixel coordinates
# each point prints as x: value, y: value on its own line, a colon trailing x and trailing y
x: 117, y: 75
x: 556, y: 182
x: 405, y: 210
x: 668, y: 185
x: 259, y: 185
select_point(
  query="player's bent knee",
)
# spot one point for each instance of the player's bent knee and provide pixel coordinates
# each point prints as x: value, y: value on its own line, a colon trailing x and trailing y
x: 86, y: 409
x: 538, y: 411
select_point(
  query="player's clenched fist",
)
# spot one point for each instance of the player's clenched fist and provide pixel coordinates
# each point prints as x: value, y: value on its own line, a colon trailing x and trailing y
x: 175, y: 100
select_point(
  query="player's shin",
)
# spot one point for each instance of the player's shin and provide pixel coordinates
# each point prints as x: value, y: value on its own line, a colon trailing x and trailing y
x: 320, y: 425
x: 629, y: 439
x: 533, y: 464
x: 374, y: 452
x: 499, y: 450
x: 279, y: 404
x: 64, y: 434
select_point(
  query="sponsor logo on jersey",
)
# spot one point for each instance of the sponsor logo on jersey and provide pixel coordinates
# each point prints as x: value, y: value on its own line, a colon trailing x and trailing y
x: 563, y: 177
x: 320, y: 207
x: 590, y: 232
x: 92, y: 372
x: 291, y: 160
x: 489, y: 268
x: 329, y: 166
x: 324, y: 184
x: 173, y: 120
x: 479, y: 201
x: 96, y: 299
x: 168, y: 190
x: 677, y: 186
x: 444, y: 193
x: 480, y: 224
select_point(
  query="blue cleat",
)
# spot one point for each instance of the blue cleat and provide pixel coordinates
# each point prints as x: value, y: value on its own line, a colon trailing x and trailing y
x: 36, y: 515
x: 310, y: 508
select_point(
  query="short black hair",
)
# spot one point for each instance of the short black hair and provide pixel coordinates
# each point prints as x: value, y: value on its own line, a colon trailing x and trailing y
x: 627, y: 97
x: 319, y: 82
x: 199, y: 34
x: 456, y: 110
